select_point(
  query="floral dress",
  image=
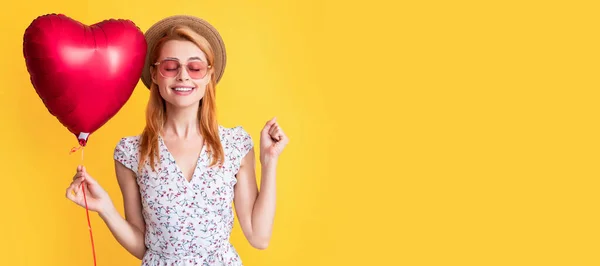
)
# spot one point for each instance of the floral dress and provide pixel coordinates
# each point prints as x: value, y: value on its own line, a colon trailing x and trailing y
x: 188, y: 223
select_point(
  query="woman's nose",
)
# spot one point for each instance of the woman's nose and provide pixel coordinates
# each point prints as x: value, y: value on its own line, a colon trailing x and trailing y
x: 183, y: 74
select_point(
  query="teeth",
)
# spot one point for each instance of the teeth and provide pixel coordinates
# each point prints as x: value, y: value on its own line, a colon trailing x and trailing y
x: 183, y: 89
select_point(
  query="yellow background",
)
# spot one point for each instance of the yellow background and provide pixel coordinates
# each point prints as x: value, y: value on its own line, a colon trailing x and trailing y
x: 422, y: 132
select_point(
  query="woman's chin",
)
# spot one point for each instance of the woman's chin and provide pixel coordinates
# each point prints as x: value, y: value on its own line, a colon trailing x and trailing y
x: 177, y: 102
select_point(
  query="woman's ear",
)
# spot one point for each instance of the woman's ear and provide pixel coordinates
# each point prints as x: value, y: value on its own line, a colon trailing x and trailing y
x: 153, y: 74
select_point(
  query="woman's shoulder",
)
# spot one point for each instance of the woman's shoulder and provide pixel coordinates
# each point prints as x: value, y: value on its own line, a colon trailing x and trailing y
x: 129, y: 144
x: 130, y: 139
x: 232, y: 133
x: 126, y: 151
x: 236, y: 139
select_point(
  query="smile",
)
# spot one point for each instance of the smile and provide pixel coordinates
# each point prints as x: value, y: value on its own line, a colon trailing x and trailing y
x: 182, y: 91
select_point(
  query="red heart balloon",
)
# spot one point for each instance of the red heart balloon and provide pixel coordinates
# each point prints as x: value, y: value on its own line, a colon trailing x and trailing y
x: 83, y: 74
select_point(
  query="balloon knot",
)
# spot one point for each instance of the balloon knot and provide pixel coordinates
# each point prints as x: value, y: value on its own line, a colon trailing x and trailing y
x: 74, y: 149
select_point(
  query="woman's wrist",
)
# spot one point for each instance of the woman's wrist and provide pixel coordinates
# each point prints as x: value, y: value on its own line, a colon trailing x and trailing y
x: 107, y: 212
x: 268, y: 162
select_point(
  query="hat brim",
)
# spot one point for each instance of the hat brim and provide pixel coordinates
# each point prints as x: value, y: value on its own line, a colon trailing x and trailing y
x: 202, y: 27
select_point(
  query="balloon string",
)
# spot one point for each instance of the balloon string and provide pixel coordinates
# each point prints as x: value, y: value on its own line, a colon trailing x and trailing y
x: 74, y: 149
x: 87, y: 211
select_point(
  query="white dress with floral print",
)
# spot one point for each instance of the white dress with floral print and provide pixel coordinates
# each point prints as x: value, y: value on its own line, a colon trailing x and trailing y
x: 188, y: 223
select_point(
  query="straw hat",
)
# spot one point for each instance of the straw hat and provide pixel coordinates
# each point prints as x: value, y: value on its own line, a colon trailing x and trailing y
x: 202, y: 27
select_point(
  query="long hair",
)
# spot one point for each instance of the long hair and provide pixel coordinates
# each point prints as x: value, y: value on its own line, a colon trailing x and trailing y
x: 156, y: 108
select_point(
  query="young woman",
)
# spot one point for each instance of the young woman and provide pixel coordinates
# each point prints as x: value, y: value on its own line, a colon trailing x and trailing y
x: 180, y: 177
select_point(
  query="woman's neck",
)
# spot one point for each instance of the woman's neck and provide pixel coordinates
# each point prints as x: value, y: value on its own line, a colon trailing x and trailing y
x: 182, y: 122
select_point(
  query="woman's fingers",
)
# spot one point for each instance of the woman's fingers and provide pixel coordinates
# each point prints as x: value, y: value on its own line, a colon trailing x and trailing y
x: 77, y: 175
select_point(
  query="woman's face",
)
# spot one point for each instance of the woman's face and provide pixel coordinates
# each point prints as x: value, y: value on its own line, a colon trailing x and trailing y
x: 179, y: 85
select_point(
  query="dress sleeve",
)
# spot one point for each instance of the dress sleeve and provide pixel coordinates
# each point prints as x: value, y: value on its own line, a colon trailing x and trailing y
x: 243, y: 142
x: 126, y: 155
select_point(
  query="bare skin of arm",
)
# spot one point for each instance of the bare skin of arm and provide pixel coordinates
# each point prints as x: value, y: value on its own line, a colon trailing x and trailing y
x: 256, y: 210
x: 128, y: 231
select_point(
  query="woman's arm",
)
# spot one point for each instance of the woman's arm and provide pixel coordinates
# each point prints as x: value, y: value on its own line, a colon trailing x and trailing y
x: 129, y: 232
x: 256, y: 210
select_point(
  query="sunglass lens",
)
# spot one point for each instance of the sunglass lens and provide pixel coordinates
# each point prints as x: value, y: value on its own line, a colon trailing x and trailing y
x: 197, y: 69
x: 169, y: 68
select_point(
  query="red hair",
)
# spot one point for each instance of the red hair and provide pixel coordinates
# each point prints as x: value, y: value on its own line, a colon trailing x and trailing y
x: 156, y: 108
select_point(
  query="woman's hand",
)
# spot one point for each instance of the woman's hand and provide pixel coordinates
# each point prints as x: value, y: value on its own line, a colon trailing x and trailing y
x: 272, y: 142
x: 97, y: 198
